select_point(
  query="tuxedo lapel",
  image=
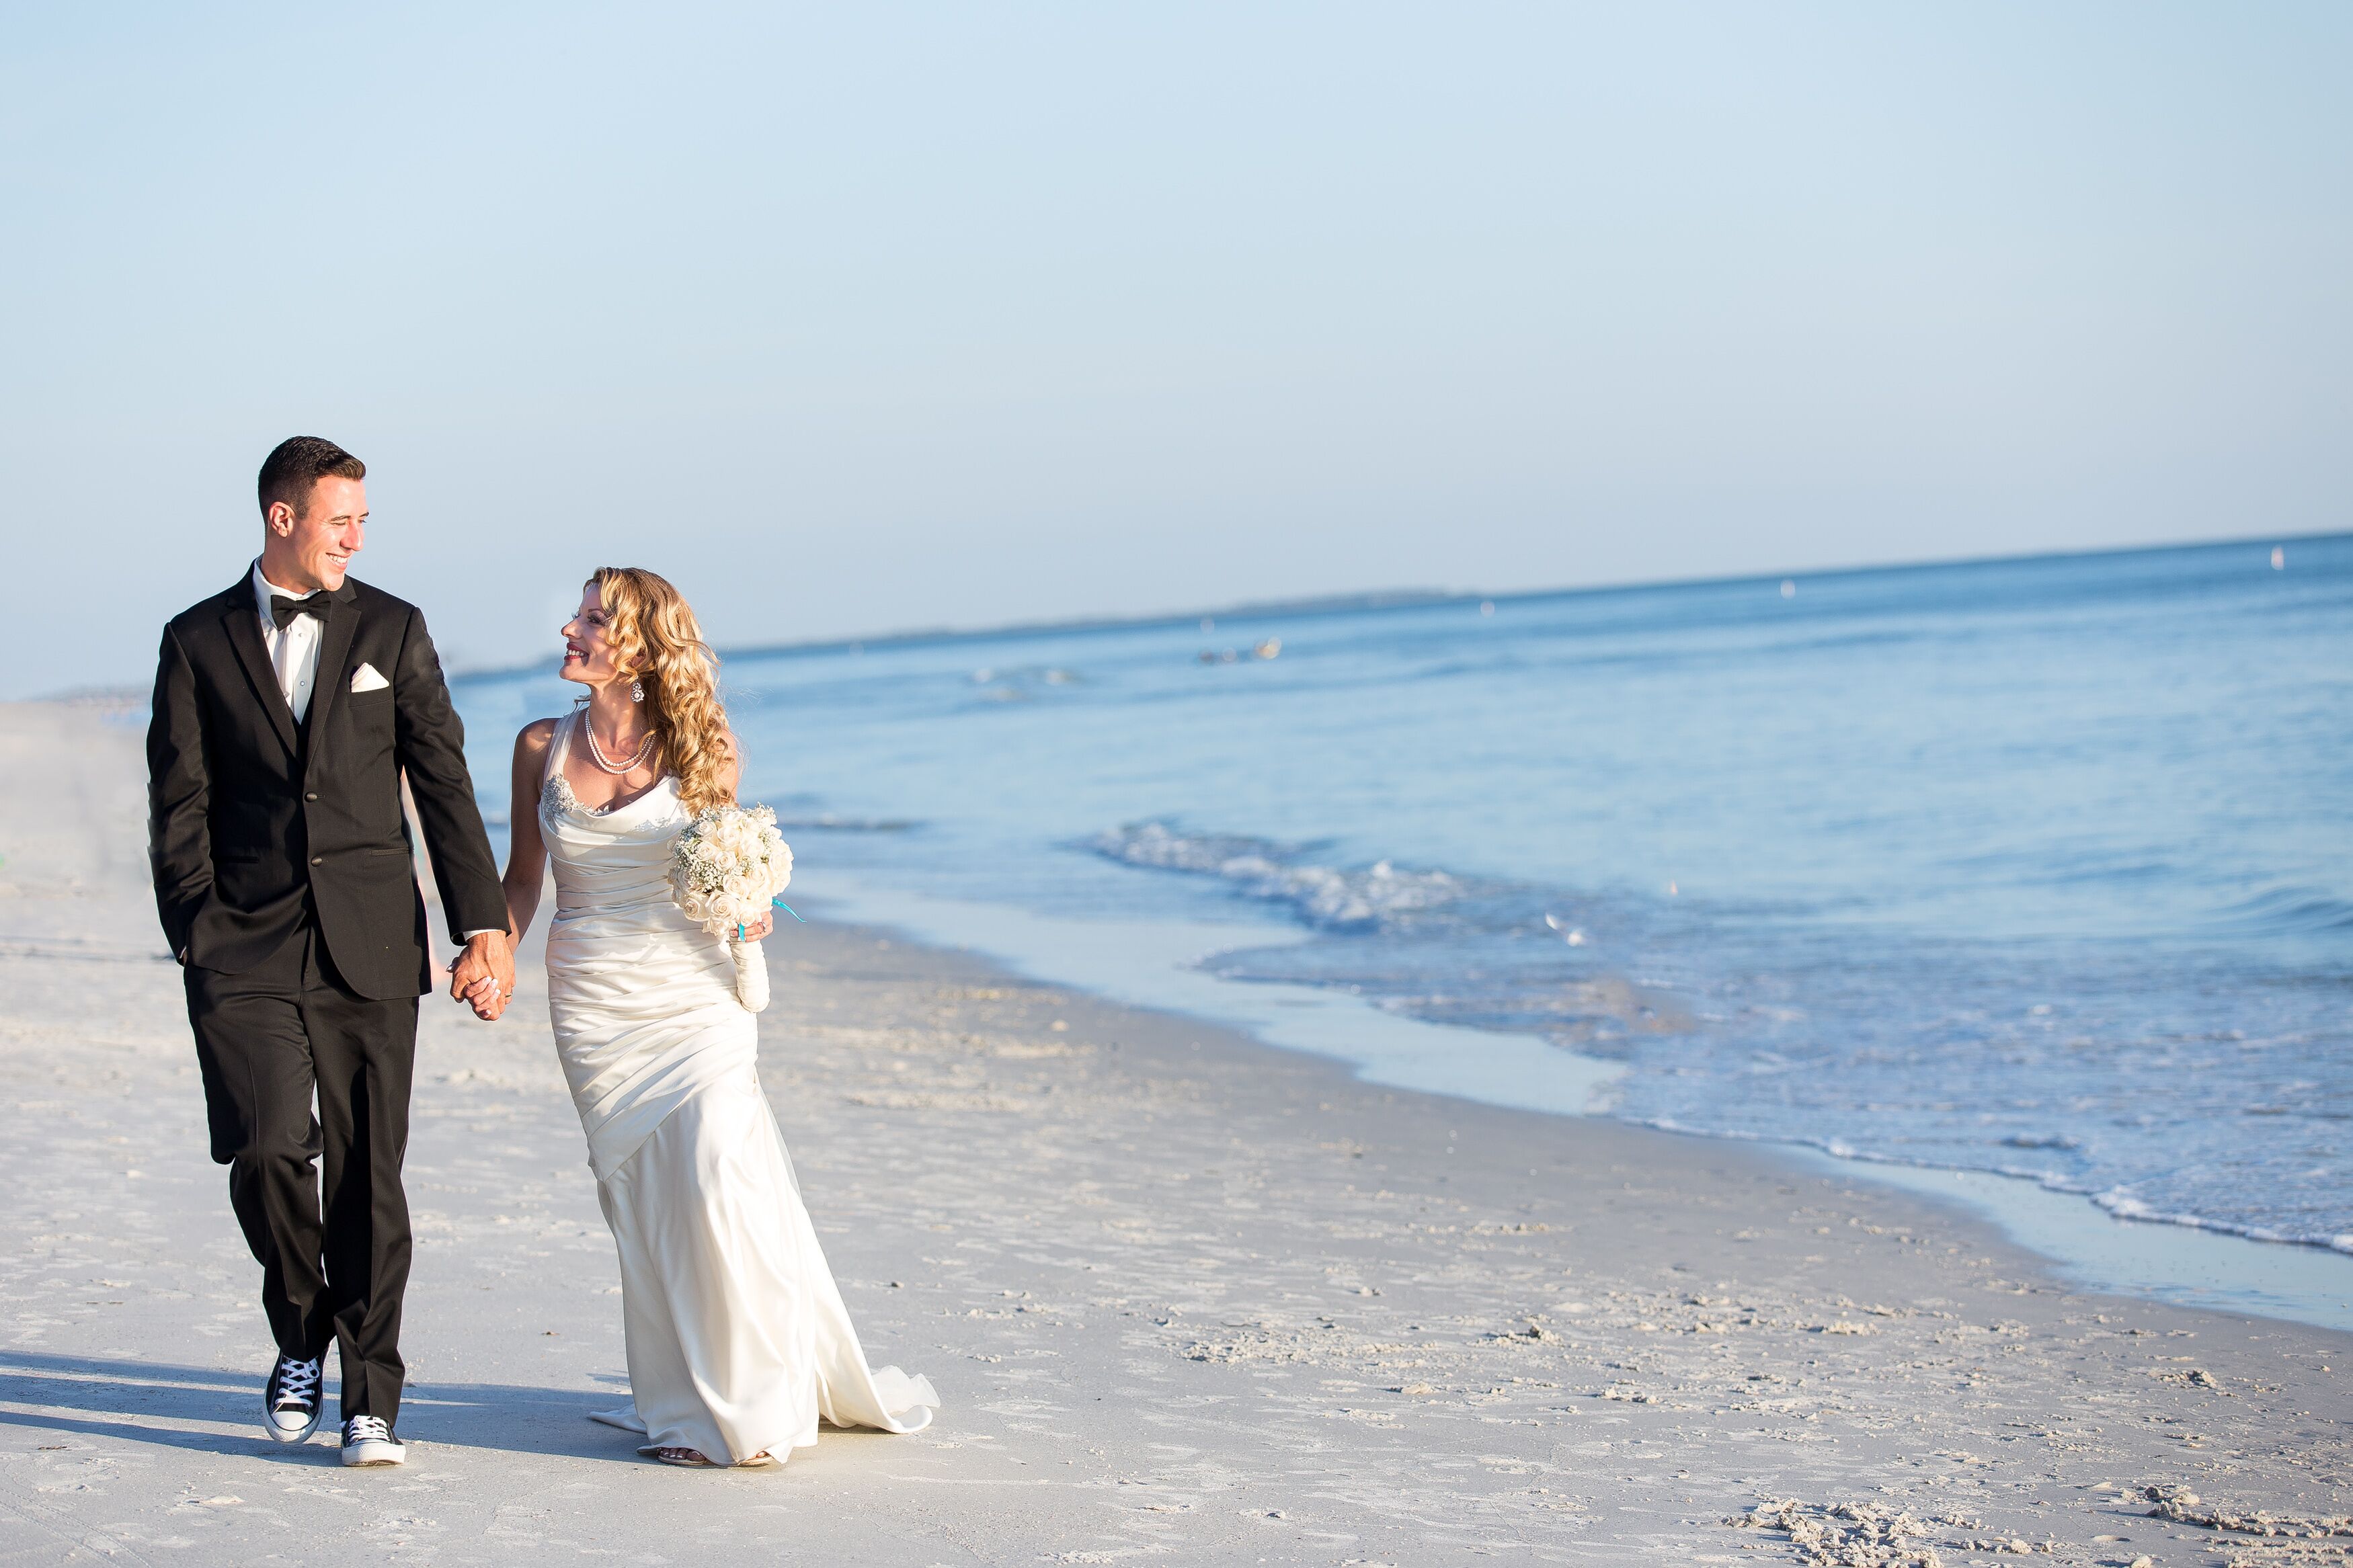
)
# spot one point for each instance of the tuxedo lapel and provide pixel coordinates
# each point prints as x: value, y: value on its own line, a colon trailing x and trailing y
x: 243, y: 624
x: 334, y: 653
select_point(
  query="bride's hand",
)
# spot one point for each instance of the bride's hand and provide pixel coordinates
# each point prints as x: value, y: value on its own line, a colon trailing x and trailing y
x: 759, y: 928
x: 487, y: 998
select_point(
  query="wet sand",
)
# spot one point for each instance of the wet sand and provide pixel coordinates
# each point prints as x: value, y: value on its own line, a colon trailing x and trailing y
x: 1184, y: 1296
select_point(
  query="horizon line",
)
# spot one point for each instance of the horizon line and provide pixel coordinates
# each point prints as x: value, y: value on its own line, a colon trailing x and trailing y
x: 1395, y: 598
x: 1322, y: 604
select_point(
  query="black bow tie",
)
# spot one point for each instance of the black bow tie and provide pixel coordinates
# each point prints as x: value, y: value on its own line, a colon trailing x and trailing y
x: 283, y: 610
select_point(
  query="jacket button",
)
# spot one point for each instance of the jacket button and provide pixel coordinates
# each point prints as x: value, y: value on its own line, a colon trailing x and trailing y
x: 312, y: 795
x: 317, y: 859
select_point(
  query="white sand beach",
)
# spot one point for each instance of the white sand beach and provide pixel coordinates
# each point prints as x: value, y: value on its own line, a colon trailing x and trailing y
x: 1184, y: 1296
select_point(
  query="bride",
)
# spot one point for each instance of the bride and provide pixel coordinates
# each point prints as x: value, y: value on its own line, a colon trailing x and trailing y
x: 738, y: 1340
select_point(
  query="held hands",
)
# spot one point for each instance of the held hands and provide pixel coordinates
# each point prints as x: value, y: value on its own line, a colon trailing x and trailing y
x: 483, y: 976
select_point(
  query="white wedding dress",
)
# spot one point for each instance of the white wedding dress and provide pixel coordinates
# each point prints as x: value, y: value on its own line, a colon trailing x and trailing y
x: 738, y: 1339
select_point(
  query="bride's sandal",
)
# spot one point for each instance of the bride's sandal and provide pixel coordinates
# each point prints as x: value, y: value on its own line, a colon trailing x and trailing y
x: 756, y: 1461
x: 679, y: 1457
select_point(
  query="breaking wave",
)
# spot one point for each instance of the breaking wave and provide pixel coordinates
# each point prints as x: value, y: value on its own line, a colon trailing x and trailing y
x: 1327, y: 898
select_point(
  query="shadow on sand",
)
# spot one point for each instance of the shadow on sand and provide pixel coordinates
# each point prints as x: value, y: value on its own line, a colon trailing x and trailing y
x: 180, y: 1406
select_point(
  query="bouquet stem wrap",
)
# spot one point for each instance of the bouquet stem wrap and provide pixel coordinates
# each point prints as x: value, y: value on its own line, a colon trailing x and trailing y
x: 751, y: 974
x: 725, y: 872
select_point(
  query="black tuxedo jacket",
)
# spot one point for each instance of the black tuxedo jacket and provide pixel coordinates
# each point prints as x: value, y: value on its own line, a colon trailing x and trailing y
x: 255, y: 822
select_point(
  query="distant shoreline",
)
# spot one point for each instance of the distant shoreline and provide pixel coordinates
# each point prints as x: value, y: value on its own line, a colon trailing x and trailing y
x: 1412, y: 598
x: 1315, y: 606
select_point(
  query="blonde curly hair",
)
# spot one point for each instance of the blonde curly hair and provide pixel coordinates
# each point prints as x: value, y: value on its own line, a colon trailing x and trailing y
x: 657, y: 641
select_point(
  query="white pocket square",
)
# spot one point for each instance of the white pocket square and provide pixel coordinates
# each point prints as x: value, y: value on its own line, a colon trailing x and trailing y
x: 365, y: 679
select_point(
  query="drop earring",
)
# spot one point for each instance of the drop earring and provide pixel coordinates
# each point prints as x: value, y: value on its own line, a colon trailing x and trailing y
x: 637, y: 690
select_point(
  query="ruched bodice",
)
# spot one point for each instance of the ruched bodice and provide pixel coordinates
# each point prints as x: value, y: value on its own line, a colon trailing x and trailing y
x: 738, y: 1338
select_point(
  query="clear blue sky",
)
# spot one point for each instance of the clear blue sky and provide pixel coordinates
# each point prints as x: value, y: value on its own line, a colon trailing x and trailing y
x: 858, y: 317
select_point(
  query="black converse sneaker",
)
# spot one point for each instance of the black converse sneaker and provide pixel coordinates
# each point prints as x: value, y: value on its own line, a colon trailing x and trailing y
x: 368, y: 1441
x: 290, y: 1401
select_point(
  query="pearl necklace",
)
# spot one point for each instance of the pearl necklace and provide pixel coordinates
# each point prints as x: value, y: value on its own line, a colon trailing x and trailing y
x: 597, y: 753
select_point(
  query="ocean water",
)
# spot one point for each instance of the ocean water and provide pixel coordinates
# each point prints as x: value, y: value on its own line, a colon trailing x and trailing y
x: 2041, y: 867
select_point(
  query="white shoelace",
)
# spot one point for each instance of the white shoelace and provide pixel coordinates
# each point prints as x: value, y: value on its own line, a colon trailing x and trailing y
x: 366, y: 1429
x: 298, y: 1382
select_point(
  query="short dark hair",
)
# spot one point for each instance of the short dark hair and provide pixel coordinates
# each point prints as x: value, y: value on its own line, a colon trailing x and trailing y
x: 298, y: 463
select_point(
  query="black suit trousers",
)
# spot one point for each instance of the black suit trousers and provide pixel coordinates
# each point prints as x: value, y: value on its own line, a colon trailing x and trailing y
x: 318, y: 1197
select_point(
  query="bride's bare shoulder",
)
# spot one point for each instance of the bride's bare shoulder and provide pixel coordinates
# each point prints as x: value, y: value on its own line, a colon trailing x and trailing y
x: 533, y: 739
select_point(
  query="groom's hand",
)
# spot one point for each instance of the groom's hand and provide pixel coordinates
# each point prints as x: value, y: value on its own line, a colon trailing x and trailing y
x: 483, y: 976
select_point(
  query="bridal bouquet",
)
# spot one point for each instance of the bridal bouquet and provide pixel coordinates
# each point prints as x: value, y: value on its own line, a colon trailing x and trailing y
x: 725, y: 872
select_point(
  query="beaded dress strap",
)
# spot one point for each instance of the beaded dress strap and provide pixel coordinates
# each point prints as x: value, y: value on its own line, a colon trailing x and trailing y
x: 559, y: 747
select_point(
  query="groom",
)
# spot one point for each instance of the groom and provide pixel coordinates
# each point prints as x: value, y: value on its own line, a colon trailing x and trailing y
x: 287, y: 710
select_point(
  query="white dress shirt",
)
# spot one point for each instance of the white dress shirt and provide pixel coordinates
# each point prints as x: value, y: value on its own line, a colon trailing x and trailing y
x: 293, y: 651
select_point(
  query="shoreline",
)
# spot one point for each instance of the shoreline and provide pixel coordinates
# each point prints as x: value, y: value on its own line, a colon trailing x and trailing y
x: 1316, y: 606
x: 1184, y: 1296
x: 2184, y: 1261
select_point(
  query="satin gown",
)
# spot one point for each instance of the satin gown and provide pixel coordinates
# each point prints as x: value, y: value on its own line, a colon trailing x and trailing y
x: 738, y: 1339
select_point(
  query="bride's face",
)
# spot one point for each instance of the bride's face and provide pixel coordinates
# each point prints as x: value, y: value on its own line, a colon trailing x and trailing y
x: 587, y: 650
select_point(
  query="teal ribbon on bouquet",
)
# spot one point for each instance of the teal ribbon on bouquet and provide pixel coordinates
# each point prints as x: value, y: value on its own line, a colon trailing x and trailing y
x: 782, y: 905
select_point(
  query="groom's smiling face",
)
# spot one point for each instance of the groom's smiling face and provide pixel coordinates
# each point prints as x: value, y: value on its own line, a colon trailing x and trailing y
x: 313, y: 549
